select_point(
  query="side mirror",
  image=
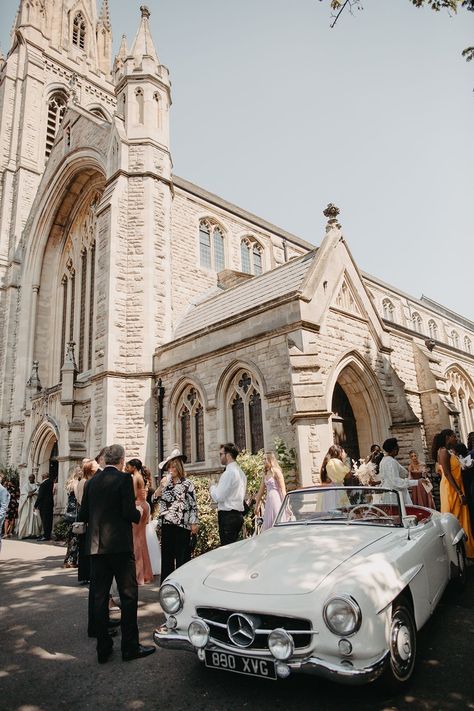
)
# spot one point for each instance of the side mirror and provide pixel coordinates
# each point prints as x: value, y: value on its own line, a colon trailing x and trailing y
x: 410, y: 521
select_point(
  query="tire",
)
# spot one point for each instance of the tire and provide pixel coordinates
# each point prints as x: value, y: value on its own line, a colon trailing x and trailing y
x: 402, y: 646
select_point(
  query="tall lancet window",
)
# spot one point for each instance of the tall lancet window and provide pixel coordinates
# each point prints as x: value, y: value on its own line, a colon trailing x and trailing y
x: 190, y: 424
x: 56, y: 111
x: 79, y: 31
x: 245, y: 405
x: 76, y: 316
x: 251, y: 256
x: 140, y: 105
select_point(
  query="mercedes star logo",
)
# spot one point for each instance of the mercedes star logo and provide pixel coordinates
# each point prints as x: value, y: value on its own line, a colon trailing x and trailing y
x: 241, y: 629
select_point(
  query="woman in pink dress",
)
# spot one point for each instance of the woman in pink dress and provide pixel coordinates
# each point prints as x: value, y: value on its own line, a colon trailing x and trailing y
x: 273, y: 485
x: 140, y: 548
x: 420, y: 494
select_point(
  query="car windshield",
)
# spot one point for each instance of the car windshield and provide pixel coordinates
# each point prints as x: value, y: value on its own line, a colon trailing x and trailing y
x: 345, y: 504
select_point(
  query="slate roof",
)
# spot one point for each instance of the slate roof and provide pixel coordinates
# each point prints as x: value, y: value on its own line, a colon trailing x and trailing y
x: 277, y: 283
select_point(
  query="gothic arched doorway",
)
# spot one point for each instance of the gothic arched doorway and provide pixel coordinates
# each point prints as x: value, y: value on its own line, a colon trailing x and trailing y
x: 360, y: 414
x: 344, y: 425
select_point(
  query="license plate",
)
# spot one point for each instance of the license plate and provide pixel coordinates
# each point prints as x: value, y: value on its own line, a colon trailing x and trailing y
x: 264, y: 668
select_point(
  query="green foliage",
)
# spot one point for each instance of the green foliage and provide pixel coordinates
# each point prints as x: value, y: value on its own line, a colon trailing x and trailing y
x: 10, y: 474
x: 252, y: 465
x: 61, y: 530
x: 208, y: 534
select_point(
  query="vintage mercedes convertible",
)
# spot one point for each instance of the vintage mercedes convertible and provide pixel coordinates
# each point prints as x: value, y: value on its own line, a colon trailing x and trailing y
x: 338, y: 588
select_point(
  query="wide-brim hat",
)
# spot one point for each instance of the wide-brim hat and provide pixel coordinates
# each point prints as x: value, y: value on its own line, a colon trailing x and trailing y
x: 175, y: 454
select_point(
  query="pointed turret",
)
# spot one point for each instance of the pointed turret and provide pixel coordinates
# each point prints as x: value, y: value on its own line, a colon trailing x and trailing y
x: 120, y: 58
x: 104, y: 38
x: 143, y: 91
x: 143, y: 50
x: 104, y: 15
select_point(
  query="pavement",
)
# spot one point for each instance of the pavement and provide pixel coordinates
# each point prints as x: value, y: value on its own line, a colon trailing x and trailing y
x: 47, y: 662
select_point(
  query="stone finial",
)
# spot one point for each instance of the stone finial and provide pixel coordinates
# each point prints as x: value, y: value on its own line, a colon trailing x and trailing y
x: 33, y: 381
x: 144, y: 11
x: 70, y: 358
x: 331, y: 212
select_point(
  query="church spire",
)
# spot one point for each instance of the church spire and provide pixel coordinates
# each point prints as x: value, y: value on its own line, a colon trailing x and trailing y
x: 104, y: 16
x: 143, y: 50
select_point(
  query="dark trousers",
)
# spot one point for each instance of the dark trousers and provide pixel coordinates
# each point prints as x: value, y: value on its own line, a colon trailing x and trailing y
x: 46, y: 521
x: 83, y: 560
x: 104, y: 569
x: 230, y: 524
x: 175, y: 548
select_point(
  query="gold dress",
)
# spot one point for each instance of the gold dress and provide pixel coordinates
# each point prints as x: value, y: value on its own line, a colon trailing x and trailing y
x: 450, y: 502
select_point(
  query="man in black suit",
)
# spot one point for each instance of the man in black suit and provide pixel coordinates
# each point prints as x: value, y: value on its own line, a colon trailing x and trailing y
x: 108, y: 508
x: 45, y: 505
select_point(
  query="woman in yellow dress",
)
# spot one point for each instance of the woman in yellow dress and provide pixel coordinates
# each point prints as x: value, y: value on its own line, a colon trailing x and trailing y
x: 453, y: 499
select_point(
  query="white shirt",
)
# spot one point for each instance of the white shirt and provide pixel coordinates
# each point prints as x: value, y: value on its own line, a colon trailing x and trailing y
x: 393, y: 476
x: 229, y: 493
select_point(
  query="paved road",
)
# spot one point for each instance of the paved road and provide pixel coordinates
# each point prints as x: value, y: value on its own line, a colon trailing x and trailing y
x: 47, y: 663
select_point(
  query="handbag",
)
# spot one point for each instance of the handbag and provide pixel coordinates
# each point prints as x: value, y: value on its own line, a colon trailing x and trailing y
x: 79, y: 528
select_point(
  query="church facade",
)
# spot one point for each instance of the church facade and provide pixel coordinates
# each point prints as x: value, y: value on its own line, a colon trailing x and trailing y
x: 139, y: 308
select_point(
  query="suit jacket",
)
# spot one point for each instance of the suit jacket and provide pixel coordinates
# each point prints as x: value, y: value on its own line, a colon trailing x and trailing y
x: 108, y: 508
x: 45, y: 498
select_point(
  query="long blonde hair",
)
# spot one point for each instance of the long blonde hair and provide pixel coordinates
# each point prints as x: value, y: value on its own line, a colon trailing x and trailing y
x: 272, y: 461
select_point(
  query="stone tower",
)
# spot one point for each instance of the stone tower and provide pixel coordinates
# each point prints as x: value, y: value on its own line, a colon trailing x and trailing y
x: 85, y: 225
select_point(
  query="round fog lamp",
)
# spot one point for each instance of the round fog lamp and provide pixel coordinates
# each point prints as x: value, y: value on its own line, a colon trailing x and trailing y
x: 171, y: 622
x: 198, y: 633
x: 283, y: 670
x: 171, y: 597
x: 280, y: 644
x: 345, y: 647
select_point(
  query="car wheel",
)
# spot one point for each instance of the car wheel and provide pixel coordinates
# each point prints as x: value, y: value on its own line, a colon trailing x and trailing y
x: 402, y: 645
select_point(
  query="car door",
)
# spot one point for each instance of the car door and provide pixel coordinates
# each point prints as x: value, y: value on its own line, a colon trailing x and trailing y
x: 430, y: 548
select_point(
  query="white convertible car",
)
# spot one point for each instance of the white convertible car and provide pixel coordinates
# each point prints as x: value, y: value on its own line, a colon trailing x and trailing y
x: 338, y: 588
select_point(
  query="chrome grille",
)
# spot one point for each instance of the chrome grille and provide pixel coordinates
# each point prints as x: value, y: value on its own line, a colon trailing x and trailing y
x: 217, y: 618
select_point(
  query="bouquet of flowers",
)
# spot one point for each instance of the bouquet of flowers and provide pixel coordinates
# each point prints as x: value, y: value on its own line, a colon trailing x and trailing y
x: 365, y: 472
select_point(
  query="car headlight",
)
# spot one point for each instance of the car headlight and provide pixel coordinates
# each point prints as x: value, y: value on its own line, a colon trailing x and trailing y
x: 280, y: 644
x: 198, y: 633
x: 171, y: 597
x: 342, y: 615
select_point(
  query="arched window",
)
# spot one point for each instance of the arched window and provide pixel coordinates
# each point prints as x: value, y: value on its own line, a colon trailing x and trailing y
x: 251, y: 256
x: 156, y: 98
x: 190, y: 425
x: 388, y: 310
x: 56, y: 111
x: 462, y: 394
x: 245, y: 404
x: 211, y: 246
x: 417, y: 323
x: 140, y: 105
x: 467, y: 344
x: 454, y: 339
x: 79, y: 31
x: 433, y: 329
x: 78, y: 290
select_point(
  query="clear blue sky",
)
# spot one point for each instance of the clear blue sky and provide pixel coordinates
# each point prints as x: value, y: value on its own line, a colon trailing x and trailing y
x: 278, y: 113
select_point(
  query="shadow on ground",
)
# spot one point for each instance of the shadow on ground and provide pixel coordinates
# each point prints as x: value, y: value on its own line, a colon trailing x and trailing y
x: 47, y: 661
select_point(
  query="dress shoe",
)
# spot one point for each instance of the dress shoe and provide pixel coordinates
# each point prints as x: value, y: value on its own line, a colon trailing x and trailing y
x: 111, y: 631
x: 103, y: 657
x: 138, y: 653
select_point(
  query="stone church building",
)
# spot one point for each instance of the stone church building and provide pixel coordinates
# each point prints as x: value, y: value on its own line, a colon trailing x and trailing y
x: 136, y: 307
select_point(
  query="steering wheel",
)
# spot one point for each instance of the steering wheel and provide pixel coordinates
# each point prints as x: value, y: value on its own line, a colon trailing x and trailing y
x: 368, y: 508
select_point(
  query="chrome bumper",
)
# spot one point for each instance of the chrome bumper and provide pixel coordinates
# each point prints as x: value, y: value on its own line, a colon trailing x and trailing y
x: 342, y: 673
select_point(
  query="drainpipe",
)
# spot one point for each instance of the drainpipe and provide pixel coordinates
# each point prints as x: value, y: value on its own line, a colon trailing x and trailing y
x: 160, y: 394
